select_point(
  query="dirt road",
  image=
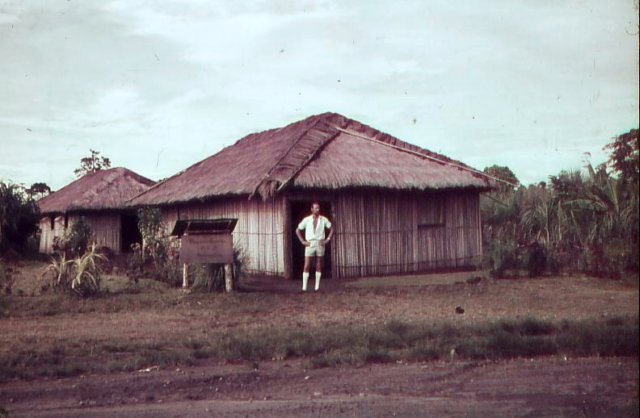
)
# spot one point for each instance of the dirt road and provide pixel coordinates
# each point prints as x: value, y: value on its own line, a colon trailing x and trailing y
x: 536, y: 387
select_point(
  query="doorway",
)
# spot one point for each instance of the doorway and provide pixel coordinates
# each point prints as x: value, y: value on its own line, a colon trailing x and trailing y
x: 299, y: 210
x: 129, y: 232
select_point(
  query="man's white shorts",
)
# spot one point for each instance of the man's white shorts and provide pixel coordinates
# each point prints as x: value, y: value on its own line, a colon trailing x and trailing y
x: 314, y: 249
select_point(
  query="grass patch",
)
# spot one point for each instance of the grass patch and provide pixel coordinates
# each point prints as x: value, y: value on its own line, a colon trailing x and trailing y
x: 396, y: 340
x: 351, y: 345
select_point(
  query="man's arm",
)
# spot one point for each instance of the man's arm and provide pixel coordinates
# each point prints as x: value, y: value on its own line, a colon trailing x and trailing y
x: 326, y: 241
x: 301, y: 238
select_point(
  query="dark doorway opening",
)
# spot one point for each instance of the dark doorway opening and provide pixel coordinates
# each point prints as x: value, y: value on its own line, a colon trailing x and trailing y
x: 129, y: 232
x: 299, y: 210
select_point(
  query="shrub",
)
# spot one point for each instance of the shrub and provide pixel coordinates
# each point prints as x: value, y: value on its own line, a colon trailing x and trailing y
x: 75, y: 241
x: 80, y: 276
x: 535, y: 259
x: 501, y: 255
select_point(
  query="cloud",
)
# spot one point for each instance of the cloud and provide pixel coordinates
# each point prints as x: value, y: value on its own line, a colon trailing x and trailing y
x: 157, y: 86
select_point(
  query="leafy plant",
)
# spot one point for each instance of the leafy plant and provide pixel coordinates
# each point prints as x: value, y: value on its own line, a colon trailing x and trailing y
x: 76, y: 239
x: 80, y: 276
x: 86, y: 277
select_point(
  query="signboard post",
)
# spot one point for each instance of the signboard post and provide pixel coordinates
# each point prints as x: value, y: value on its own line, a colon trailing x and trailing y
x: 206, y: 241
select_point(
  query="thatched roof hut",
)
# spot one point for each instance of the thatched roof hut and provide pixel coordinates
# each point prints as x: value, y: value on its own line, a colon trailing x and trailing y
x: 327, y: 151
x: 339, y: 161
x: 102, y: 190
x: 100, y: 198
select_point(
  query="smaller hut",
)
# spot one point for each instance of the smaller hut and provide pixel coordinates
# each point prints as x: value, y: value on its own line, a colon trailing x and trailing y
x: 98, y: 198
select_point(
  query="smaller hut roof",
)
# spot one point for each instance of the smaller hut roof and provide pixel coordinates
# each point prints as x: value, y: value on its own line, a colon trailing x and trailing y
x: 105, y: 189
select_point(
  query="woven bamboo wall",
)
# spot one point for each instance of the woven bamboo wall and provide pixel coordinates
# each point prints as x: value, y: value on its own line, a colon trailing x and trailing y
x: 259, y: 231
x: 389, y: 233
x: 105, y: 227
x: 47, y: 234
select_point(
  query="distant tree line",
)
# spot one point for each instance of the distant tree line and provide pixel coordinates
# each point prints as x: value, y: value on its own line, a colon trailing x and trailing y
x: 18, y: 216
x: 575, y: 222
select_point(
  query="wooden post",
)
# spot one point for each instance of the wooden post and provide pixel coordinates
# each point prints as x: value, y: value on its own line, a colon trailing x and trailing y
x: 228, y: 278
x: 286, y: 208
x: 185, y: 279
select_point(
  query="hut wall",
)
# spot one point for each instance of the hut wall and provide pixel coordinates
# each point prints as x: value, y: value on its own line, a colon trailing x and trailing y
x: 105, y: 227
x: 391, y: 233
x: 48, y: 233
x: 259, y: 231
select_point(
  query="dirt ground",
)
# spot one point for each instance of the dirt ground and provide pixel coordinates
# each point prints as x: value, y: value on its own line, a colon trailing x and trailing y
x: 154, y: 313
x: 537, y: 387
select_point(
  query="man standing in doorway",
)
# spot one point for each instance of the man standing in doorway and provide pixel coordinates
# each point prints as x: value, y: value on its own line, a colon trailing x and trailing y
x: 314, y: 242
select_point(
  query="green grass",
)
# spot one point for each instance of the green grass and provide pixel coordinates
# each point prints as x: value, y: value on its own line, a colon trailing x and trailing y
x: 397, y: 340
x: 352, y: 345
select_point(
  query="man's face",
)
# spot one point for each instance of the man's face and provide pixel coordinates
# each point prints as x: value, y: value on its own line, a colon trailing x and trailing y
x: 315, y: 209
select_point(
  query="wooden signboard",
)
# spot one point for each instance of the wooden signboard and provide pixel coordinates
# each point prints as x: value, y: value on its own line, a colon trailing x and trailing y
x: 207, y: 249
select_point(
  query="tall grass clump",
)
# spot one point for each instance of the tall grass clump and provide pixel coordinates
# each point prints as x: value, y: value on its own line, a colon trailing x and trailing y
x: 80, y: 276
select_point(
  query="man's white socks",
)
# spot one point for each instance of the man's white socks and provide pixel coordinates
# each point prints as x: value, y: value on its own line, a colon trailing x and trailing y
x: 305, y: 280
x: 318, y: 280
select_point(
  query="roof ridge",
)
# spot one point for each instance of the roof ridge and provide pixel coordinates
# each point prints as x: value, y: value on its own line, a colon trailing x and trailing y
x: 269, y: 185
x: 284, y: 154
x: 311, y: 157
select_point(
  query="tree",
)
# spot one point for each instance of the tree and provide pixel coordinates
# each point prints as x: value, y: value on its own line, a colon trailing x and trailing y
x: 509, y: 180
x: 625, y: 156
x: 18, y: 216
x: 38, y: 190
x: 92, y: 164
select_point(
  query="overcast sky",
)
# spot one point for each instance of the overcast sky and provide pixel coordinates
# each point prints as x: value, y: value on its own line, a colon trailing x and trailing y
x: 159, y: 85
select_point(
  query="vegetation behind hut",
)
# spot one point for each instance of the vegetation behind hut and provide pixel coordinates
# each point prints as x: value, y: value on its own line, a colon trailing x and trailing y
x: 19, y: 216
x: 576, y: 223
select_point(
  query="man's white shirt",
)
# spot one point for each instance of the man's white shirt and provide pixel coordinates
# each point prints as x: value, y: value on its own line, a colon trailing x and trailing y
x: 307, y: 225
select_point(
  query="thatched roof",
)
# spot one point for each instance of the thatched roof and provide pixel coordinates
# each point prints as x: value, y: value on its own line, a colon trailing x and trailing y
x: 327, y: 151
x: 105, y: 189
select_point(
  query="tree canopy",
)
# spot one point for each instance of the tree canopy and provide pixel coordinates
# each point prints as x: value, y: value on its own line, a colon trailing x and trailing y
x: 38, y: 190
x: 92, y: 164
x: 625, y: 156
x: 18, y: 216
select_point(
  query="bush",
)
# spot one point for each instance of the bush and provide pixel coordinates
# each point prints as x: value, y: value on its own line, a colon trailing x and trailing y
x: 80, y: 276
x: 535, y: 259
x: 75, y: 241
x: 500, y: 255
